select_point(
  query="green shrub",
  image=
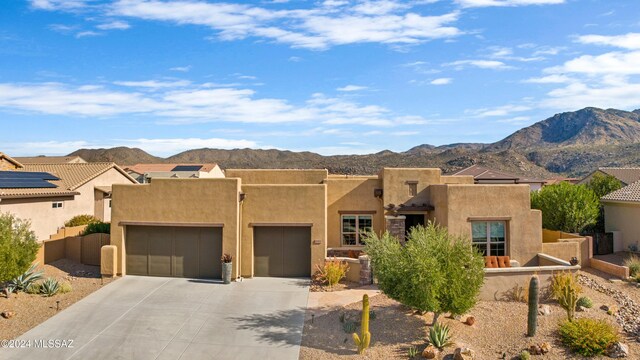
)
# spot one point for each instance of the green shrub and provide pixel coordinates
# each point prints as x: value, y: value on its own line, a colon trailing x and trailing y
x: 566, y: 207
x: 525, y: 355
x: 439, y: 335
x: 98, y: 227
x: 65, y: 287
x: 588, y: 337
x: 434, y: 271
x: 33, y: 289
x: 50, y: 287
x: 24, y: 280
x: 633, y: 263
x: 332, y: 272
x: 349, y: 327
x: 80, y: 220
x: 585, y: 302
x: 18, y: 246
x: 565, y: 289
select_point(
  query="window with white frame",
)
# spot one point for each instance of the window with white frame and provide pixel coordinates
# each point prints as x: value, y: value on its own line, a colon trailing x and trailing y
x: 354, y: 227
x: 490, y: 237
x: 56, y: 204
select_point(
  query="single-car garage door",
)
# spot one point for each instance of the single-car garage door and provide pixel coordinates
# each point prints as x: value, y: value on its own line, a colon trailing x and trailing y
x: 174, y: 251
x: 282, y: 251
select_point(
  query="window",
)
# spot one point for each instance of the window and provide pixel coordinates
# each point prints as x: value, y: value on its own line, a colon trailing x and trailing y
x: 56, y: 205
x: 354, y: 227
x: 413, y: 188
x: 489, y: 237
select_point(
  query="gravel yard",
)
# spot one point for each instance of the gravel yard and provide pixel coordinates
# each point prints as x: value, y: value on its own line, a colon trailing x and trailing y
x: 31, y: 310
x: 499, y: 327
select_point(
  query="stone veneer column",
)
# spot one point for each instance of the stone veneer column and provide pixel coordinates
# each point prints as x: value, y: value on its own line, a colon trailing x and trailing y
x: 366, y: 276
x: 395, y: 226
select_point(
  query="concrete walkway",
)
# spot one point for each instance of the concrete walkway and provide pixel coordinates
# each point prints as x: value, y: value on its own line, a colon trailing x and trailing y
x: 321, y: 303
x: 141, y: 318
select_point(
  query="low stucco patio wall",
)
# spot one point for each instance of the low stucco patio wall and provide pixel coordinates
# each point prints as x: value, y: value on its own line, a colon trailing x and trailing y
x: 612, y: 269
x: 565, y: 249
x: 499, y: 282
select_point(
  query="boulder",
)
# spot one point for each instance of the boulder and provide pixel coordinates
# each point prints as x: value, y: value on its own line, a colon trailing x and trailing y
x: 618, y: 350
x: 544, y: 310
x: 8, y: 314
x: 470, y: 320
x: 464, y: 353
x: 581, y: 308
x: 430, y: 352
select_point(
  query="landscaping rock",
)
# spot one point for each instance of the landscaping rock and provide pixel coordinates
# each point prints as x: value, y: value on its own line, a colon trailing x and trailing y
x: 7, y: 314
x: 463, y: 353
x: 544, y: 310
x: 430, y: 352
x: 618, y: 350
x: 545, y: 347
x: 581, y: 308
x: 470, y: 320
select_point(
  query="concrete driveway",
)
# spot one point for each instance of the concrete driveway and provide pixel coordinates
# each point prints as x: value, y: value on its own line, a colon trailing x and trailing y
x: 171, y: 318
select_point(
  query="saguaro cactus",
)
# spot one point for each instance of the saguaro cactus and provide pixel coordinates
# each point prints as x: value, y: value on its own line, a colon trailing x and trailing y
x: 362, y: 341
x: 532, y: 322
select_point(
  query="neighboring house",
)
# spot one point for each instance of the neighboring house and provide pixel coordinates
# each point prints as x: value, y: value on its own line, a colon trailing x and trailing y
x: 51, y: 160
x: 61, y: 192
x: 622, y: 213
x: 282, y: 222
x: 626, y: 175
x: 483, y: 175
x: 144, y: 173
x: 9, y: 163
x: 560, y: 179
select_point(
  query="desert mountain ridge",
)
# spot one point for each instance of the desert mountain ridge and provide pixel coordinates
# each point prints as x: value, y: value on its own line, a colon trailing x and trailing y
x: 569, y: 143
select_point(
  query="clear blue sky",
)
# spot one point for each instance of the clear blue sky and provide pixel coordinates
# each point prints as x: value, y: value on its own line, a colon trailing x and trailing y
x: 332, y: 76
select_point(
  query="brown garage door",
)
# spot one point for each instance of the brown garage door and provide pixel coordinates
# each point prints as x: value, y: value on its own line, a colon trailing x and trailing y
x: 282, y: 251
x: 174, y: 251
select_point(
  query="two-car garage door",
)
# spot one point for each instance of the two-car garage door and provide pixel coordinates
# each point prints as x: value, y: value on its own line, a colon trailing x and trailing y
x: 192, y: 252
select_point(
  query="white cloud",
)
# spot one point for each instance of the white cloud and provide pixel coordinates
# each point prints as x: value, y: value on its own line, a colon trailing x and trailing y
x: 181, y: 68
x: 405, y: 133
x: 486, y: 3
x: 351, y: 88
x: 620, y: 95
x: 88, y: 33
x: 57, y: 4
x: 295, y: 59
x: 482, y: 64
x: 114, y: 25
x: 505, y: 110
x: 389, y: 22
x: 626, y: 41
x: 441, y: 81
x: 621, y: 63
x: 182, y: 102
x: 549, y: 79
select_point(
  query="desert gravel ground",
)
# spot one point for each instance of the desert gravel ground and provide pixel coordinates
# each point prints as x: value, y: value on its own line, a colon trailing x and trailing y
x: 31, y: 310
x: 500, y: 327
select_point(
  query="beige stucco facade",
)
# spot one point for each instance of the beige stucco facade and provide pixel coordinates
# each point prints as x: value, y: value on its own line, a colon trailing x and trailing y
x: 46, y: 220
x: 625, y: 218
x: 247, y: 199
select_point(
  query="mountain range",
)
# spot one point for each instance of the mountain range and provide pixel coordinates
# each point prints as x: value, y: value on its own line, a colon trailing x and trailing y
x: 570, y: 143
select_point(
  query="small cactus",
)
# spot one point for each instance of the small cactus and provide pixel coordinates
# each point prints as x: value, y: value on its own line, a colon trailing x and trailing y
x: 364, y: 339
x: 532, y: 322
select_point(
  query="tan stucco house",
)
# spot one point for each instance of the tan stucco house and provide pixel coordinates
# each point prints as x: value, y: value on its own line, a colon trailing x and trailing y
x: 283, y: 222
x: 622, y: 215
x: 76, y: 189
x: 145, y: 173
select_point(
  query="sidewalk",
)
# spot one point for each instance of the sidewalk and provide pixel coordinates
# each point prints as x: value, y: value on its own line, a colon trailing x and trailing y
x: 321, y: 303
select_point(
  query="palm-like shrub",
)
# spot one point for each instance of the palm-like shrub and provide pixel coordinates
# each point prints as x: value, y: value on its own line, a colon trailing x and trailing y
x: 26, y: 279
x: 439, y: 335
x: 49, y: 287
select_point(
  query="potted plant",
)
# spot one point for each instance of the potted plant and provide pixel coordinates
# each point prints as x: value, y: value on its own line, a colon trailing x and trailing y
x: 226, y: 268
x: 574, y: 261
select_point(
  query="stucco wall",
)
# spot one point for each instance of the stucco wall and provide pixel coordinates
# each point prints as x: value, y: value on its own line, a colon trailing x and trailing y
x: 499, y: 283
x: 351, y: 194
x: 277, y: 176
x: 456, y: 205
x: 284, y: 205
x: 623, y: 217
x: 45, y: 220
x: 457, y: 179
x: 396, y: 188
x: 172, y: 201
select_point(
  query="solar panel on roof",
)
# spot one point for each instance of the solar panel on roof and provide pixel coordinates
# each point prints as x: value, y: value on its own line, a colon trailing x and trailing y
x: 187, y: 168
x: 26, y: 180
x: 27, y: 175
